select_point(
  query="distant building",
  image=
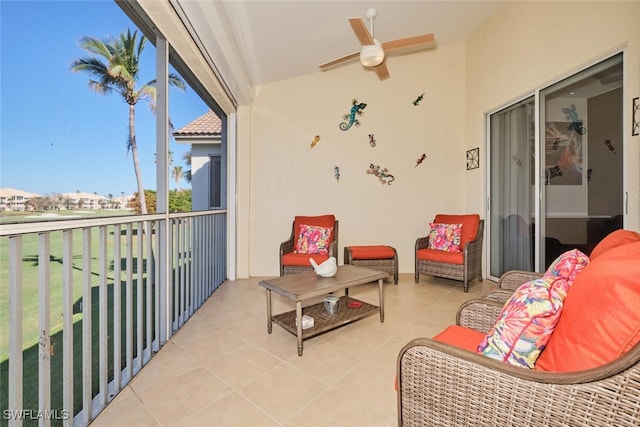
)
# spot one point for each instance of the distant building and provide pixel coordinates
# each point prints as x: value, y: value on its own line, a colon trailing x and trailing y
x: 208, y: 168
x: 15, y: 200
x: 80, y: 200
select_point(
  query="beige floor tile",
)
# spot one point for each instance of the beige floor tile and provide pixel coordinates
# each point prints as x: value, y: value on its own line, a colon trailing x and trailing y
x: 282, y: 344
x: 336, y: 409
x: 222, y: 368
x: 189, y: 393
x: 230, y: 411
x: 325, y: 362
x: 243, y: 366
x: 211, y: 346
x: 283, y: 391
x: 372, y: 380
x: 170, y: 362
x: 124, y: 413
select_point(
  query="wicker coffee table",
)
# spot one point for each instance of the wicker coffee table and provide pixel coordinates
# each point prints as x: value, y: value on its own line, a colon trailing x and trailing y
x: 304, y: 286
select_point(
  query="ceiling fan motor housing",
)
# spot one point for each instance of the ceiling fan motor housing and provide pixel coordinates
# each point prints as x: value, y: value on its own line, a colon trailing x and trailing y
x: 372, y: 55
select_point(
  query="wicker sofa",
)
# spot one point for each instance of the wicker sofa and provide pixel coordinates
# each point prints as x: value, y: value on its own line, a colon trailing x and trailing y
x: 463, y: 266
x: 448, y: 384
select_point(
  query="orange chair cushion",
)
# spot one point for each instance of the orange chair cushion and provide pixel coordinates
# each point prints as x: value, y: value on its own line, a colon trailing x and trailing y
x: 461, y: 337
x: 303, y: 259
x: 320, y: 221
x: 371, y: 252
x: 614, y: 239
x: 441, y: 256
x: 600, y: 319
x: 470, y: 223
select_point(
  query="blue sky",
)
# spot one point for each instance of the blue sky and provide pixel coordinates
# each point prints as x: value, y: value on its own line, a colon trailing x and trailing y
x: 55, y: 134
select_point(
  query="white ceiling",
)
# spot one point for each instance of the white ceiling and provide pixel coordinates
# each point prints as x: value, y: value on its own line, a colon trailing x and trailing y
x: 277, y: 40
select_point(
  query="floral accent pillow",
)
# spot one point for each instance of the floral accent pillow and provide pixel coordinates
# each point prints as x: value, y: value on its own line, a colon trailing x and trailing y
x: 567, y: 265
x: 445, y: 237
x: 313, y: 240
x: 526, y: 322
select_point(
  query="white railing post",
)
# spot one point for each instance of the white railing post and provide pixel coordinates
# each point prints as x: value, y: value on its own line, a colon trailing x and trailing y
x: 44, y: 304
x: 15, y: 329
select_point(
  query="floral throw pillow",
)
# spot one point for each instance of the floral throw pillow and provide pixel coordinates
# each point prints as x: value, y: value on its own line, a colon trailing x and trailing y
x: 313, y: 240
x: 445, y: 237
x: 526, y: 322
x: 568, y: 265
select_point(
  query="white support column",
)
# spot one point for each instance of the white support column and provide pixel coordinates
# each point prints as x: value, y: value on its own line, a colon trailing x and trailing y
x: 162, y: 167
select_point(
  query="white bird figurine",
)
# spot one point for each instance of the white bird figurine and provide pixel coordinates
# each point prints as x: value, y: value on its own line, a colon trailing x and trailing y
x: 329, y: 268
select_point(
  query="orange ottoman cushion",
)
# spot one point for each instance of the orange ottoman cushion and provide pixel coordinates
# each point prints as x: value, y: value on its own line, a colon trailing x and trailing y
x: 601, y: 315
x: 371, y: 252
x: 461, y: 337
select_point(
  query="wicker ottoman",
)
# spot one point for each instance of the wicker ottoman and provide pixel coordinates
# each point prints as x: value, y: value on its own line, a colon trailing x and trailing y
x: 378, y: 257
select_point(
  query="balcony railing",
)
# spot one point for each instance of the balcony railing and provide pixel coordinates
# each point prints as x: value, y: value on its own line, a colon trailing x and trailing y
x: 85, y: 304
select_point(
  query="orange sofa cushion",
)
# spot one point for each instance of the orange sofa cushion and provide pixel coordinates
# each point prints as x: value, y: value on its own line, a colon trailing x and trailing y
x: 318, y: 221
x: 303, y: 259
x: 441, y: 256
x: 614, y: 239
x: 601, y: 315
x: 470, y: 223
x: 371, y: 252
x: 461, y: 337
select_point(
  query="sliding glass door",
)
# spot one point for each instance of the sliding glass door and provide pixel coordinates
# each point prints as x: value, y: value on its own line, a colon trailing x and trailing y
x: 512, y: 166
x: 561, y: 187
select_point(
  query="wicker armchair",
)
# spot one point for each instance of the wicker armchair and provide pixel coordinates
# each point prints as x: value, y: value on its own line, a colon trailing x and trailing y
x: 292, y: 263
x: 448, y: 265
x: 443, y: 385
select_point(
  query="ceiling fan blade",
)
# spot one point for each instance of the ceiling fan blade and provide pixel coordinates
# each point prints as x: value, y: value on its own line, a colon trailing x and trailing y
x: 381, y: 71
x: 339, y: 61
x: 359, y: 27
x: 423, y: 41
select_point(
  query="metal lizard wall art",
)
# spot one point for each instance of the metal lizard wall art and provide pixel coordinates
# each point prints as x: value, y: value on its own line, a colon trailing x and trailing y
x: 420, y: 160
x: 372, y: 140
x: 382, y: 173
x: 350, y: 119
x: 336, y: 173
x: 418, y: 100
x: 314, y: 142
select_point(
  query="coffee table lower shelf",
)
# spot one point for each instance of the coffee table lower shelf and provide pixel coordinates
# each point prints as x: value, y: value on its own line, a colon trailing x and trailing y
x: 323, y: 321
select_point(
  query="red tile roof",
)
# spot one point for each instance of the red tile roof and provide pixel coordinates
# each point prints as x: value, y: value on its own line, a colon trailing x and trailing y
x: 208, y: 124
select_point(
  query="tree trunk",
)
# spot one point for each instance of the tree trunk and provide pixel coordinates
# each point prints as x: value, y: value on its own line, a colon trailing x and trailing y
x: 134, y: 156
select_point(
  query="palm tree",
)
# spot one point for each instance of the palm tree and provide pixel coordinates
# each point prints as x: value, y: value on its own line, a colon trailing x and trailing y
x: 177, y: 174
x: 115, y: 64
x: 187, y: 158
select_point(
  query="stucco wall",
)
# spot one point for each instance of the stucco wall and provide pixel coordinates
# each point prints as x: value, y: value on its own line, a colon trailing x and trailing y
x: 525, y: 46
x: 289, y: 178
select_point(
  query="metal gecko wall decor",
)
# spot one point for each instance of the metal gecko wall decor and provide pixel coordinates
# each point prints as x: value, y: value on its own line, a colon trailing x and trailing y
x: 418, y: 100
x: 336, y: 173
x: 351, y: 118
x: 382, y: 173
x: 372, y: 140
x: 420, y: 160
x: 314, y: 142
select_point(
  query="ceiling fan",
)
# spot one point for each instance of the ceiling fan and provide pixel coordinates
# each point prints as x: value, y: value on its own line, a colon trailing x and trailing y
x: 373, y: 53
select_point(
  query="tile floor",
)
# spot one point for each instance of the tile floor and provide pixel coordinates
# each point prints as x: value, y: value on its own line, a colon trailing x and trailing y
x: 222, y: 368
